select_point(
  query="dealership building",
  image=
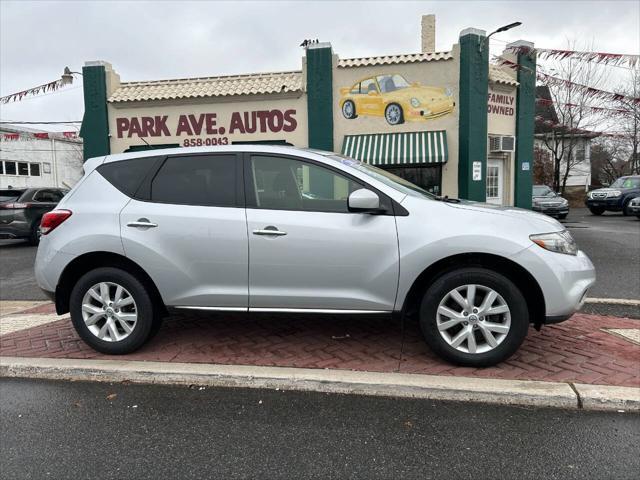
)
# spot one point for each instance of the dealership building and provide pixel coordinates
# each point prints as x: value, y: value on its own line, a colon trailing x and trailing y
x: 450, y: 121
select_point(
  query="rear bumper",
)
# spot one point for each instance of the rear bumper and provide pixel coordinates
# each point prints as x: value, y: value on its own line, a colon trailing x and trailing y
x: 15, y: 230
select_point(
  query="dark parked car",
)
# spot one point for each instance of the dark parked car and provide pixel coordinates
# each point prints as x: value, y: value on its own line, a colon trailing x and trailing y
x: 546, y: 201
x: 22, y: 209
x: 615, y: 198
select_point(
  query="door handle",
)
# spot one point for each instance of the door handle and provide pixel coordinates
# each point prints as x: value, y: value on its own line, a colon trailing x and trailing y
x: 270, y: 231
x: 142, y: 223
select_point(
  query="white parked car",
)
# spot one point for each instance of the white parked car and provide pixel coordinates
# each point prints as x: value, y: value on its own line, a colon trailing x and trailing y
x: 279, y: 229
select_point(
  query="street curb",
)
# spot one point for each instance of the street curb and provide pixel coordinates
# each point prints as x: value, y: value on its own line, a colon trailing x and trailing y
x: 506, y: 392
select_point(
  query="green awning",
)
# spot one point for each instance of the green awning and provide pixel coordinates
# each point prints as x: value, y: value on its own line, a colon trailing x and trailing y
x: 406, y: 148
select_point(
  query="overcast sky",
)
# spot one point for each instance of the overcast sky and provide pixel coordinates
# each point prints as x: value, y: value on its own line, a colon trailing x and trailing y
x: 170, y: 39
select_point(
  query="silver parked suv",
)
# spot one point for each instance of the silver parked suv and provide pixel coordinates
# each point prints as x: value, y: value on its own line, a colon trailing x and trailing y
x: 278, y: 229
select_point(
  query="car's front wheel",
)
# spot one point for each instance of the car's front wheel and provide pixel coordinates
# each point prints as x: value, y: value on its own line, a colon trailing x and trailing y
x: 112, y: 311
x: 393, y: 114
x: 349, y: 110
x: 474, y: 317
x: 596, y: 210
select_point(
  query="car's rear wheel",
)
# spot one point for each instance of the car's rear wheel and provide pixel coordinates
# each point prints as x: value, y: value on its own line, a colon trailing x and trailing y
x: 596, y: 210
x: 625, y: 208
x: 34, y: 235
x: 474, y: 317
x: 112, y: 311
x: 349, y: 110
x: 562, y: 216
x: 393, y: 114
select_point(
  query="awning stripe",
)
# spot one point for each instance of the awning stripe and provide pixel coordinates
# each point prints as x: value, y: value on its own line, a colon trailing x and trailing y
x: 398, y: 148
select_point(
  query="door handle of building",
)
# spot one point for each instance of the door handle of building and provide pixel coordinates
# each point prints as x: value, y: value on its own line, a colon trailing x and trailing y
x: 142, y: 223
x: 270, y: 230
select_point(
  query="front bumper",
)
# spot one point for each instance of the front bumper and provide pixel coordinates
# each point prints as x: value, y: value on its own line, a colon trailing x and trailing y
x: 563, y: 279
x: 611, y: 204
x: 634, y: 209
x: 552, y: 211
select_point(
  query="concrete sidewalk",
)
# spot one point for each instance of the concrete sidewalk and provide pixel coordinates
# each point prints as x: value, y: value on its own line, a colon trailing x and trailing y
x: 580, y: 357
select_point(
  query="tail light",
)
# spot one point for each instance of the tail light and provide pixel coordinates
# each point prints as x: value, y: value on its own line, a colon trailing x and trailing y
x: 52, y: 219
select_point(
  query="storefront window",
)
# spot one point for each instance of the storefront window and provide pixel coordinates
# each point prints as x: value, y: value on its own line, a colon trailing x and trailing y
x: 23, y: 168
x: 427, y: 177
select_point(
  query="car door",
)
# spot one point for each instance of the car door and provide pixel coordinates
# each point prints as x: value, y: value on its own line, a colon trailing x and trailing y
x: 306, y: 250
x: 371, y: 100
x: 189, y: 232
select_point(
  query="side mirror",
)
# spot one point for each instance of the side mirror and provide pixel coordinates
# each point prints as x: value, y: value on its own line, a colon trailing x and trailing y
x: 364, y: 200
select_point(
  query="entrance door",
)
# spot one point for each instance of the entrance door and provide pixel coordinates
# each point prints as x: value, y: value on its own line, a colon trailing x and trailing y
x: 306, y: 249
x: 495, y: 181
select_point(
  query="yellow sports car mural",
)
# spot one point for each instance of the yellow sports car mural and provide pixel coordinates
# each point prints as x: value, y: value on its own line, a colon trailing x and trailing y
x: 394, y: 98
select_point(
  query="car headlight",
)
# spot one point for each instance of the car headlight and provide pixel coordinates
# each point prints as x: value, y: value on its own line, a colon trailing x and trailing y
x: 559, y: 242
x: 564, y: 201
x: 614, y: 193
x: 415, y: 102
x: 448, y: 92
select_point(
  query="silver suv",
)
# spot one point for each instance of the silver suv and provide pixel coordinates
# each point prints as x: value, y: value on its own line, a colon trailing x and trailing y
x: 279, y: 229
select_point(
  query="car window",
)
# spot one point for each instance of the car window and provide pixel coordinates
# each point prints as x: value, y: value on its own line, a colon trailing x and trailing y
x: 47, y: 196
x: 127, y: 175
x: 368, y: 85
x: 628, y: 182
x: 355, y: 89
x: 391, y: 83
x: 290, y: 184
x: 207, y: 180
x: 542, y: 191
x: 10, y: 195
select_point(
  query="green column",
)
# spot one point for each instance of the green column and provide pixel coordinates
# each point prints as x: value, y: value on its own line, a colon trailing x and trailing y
x: 474, y: 88
x: 95, y: 122
x: 320, y: 96
x: 525, y: 124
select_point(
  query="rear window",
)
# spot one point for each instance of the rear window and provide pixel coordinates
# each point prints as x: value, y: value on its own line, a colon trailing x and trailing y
x: 10, y: 195
x: 208, y: 180
x: 127, y: 175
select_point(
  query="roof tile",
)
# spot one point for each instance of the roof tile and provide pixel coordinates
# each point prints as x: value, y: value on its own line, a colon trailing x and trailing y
x: 393, y: 59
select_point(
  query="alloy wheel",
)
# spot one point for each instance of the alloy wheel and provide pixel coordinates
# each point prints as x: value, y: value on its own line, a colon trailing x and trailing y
x: 109, y: 311
x: 473, y: 319
x: 348, y: 109
x: 393, y: 114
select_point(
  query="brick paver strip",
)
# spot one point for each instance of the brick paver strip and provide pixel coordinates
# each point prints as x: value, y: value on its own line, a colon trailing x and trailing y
x: 575, y: 351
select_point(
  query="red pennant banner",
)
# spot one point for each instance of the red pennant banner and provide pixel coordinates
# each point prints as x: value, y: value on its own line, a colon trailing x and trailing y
x: 619, y: 59
x: 11, y: 136
x: 44, y: 88
x: 70, y: 134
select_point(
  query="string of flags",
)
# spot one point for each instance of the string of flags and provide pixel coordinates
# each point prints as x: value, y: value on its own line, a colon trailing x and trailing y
x: 44, y: 88
x: 38, y: 135
x: 589, y: 92
x: 598, y: 110
x: 618, y: 59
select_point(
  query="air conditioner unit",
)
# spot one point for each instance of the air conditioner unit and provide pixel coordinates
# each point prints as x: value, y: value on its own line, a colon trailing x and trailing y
x: 503, y: 143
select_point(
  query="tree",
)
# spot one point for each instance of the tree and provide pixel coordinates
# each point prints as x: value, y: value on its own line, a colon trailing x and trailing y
x: 607, y: 161
x: 542, y: 166
x: 571, y: 120
x: 629, y: 123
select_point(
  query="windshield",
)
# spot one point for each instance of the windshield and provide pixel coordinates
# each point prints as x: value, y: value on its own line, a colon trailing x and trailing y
x: 626, y: 182
x: 390, y: 83
x: 385, y: 177
x: 542, y: 191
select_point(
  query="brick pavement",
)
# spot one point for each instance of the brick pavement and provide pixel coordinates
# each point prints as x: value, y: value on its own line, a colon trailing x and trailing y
x: 578, y: 350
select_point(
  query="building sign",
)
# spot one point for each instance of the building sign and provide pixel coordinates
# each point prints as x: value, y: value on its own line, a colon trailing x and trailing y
x: 215, y: 129
x: 477, y: 171
x: 501, y: 104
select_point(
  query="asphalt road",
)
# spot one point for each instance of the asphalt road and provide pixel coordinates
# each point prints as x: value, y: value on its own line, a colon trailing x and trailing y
x: 72, y: 430
x: 612, y: 241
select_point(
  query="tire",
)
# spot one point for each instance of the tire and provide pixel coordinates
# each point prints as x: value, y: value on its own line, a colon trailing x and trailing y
x: 393, y: 114
x: 349, y: 110
x: 514, y: 324
x: 34, y: 236
x: 596, y: 210
x: 625, y: 208
x: 147, y: 322
x: 563, y: 216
